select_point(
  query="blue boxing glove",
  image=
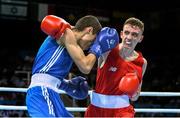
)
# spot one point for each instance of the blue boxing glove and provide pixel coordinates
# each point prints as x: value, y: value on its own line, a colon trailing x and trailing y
x: 106, y: 40
x: 77, y: 87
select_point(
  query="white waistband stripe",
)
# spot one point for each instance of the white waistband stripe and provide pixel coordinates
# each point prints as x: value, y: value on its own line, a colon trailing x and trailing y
x: 109, y: 101
x: 46, y: 80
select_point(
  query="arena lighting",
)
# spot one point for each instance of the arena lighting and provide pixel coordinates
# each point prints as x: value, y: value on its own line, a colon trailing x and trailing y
x: 103, y: 18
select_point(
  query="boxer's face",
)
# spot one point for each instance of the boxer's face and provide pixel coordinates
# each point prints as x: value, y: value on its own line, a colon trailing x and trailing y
x: 87, y: 39
x: 131, y: 35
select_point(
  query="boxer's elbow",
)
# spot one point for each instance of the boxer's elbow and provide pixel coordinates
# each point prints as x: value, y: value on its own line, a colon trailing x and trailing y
x: 85, y: 69
x: 134, y: 98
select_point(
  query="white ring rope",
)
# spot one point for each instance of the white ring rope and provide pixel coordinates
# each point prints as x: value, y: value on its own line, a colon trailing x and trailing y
x: 82, y: 109
x: 162, y: 94
x: 11, y: 89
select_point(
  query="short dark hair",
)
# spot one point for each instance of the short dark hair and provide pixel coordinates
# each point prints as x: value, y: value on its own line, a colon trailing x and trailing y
x: 88, y: 21
x: 135, y: 22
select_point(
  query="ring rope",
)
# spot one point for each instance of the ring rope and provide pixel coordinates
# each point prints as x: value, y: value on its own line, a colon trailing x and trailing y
x: 162, y: 94
x: 82, y: 109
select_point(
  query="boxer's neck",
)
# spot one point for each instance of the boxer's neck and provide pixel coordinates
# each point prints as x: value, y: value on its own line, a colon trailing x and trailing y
x: 128, y: 54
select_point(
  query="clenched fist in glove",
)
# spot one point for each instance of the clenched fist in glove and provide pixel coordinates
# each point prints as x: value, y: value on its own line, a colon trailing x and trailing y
x: 77, y: 87
x: 129, y: 84
x: 106, y: 39
x: 54, y: 26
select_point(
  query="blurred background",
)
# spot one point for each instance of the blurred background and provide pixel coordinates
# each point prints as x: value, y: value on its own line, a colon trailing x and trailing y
x: 21, y: 37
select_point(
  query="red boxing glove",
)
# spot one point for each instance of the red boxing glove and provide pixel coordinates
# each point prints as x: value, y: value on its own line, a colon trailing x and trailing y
x: 129, y: 84
x: 54, y: 26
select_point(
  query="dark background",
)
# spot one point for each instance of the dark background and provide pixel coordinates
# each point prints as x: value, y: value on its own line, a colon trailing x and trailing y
x: 21, y: 37
x: 162, y: 20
